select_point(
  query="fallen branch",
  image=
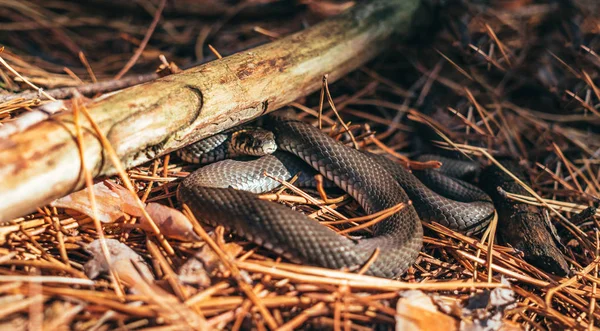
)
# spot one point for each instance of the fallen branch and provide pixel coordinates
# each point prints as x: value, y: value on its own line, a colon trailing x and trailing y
x: 523, y: 226
x: 152, y: 119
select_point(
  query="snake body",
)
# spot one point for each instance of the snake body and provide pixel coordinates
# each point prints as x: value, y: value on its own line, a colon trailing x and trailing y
x: 237, y: 141
x: 249, y: 175
x: 454, y: 203
x: 374, y: 182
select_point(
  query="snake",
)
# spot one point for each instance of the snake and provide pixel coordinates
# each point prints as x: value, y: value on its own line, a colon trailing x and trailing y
x: 223, y: 193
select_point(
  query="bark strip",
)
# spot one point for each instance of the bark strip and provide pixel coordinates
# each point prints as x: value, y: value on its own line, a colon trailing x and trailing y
x: 521, y: 225
x: 155, y: 118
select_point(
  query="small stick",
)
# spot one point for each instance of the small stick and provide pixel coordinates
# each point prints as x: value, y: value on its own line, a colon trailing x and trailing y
x: 337, y: 114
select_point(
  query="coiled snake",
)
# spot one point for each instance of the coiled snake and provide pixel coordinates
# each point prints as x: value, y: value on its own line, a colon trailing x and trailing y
x: 375, y: 182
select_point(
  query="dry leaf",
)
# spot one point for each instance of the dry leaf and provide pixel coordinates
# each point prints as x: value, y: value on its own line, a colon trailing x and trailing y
x: 193, y: 272
x: 128, y: 201
x: 416, y: 311
x: 171, y: 222
x: 205, y: 262
x: 112, y: 201
x: 211, y: 260
x: 125, y: 262
x: 131, y: 269
x: 486, y: 309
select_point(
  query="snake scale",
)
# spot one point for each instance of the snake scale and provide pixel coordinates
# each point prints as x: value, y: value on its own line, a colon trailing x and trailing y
x: 375, y: 182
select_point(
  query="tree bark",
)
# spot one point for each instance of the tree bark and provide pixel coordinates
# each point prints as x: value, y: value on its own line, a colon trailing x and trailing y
x: 155, y: 118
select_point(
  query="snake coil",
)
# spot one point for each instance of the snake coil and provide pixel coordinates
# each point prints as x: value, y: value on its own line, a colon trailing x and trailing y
x: 374, y: 182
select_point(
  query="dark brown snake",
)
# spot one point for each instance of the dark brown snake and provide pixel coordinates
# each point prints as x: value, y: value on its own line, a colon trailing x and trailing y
x: 375, y: 182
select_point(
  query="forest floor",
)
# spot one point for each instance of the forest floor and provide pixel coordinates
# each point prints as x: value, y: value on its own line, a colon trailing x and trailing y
x: 517, y: 79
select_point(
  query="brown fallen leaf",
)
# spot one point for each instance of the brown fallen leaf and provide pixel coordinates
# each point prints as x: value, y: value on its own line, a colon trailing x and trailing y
x: 128, y: 203
x: 205, y: 262
x: 417, y: 311
x: 193, y: 272
x: 211, y: 260
x: 131, y: 269
x: 112, y: 201
x: 171, y: 222
x: 485, y: 310
x: 124, y: 261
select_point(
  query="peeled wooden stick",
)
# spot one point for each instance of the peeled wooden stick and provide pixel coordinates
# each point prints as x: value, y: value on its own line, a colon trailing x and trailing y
x: 155, y: 118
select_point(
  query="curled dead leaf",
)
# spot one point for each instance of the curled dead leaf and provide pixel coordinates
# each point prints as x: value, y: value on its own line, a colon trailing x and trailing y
x: 171, y: 222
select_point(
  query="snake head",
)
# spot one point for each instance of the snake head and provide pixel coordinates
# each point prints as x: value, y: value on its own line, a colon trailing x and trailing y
x: 255, y: 142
